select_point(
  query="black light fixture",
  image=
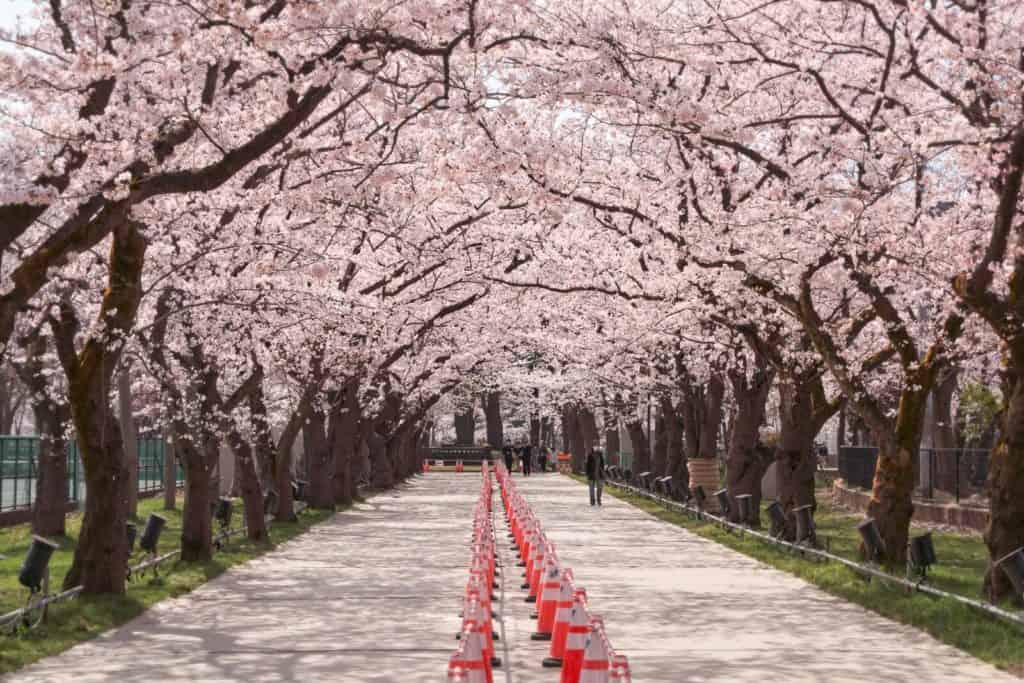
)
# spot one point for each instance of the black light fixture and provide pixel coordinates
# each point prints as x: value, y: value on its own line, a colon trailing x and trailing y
x: 723, y: 501
x: 627, y: 475
x: 270, y: 502
x: 804, y: 523
x: 922, y: 554
x: 151, y: 534
x: 1012, y: 565
x: 223, y: 512
x: 778, y: 517
x: 131, y: 531
x: 299, y: 488
x: 36, y: 565
x: 699, y: 497
x: 644, y: 477
x: 745, y: 503
x: 874, y: 546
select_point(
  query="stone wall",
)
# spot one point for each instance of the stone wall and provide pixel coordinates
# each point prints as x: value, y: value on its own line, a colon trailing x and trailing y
x: 950, y: 514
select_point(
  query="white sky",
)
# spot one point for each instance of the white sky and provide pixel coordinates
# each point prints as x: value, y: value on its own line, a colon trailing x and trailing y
x: 10, y: 10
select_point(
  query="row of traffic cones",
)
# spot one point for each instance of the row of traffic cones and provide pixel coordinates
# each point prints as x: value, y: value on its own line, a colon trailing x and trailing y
x: 474, y: 658
x: 459, y: 466
x: 579, y: 644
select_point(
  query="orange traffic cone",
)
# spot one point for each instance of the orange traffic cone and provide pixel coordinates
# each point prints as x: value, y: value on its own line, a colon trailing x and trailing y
x: 562, y: 612
x: 620, y: 670
x: 468, y: 664
x: 595, y: 668
x: 547, y: 601
x: 575, y: 641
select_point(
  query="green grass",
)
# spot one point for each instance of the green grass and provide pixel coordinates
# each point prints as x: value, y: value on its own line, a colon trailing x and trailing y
x: 962, y: 560
x: 78, y: 620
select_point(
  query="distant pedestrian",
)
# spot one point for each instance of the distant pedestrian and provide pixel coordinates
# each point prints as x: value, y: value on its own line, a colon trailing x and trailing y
x: 510, y: 458
x: 595, y: 475
x: 527, y: 464
x: 542, y: 459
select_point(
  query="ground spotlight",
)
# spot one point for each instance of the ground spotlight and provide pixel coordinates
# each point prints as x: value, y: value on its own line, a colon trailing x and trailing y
x: 699, y: 497
x: 874, y: 547
x: 151, y: 534
x: 644, y: 478
x: 804, y: 523
x: 35, y: 568
x: 270, y: 502
x: 1013, y: 566
x: 723, y: 501
x: 131, y: 531
x: 745, y: 503
x: 299, y: 488
x: 922, y: 554
x: 778, y: 517
x: 223, y: 512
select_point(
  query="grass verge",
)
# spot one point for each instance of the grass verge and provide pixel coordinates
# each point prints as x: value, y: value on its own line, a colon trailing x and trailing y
x: 81, y: 619
x: 962, y: 560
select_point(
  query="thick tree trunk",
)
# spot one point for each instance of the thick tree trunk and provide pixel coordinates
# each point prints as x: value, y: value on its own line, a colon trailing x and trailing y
x: 51, y: 483
x: 568, y: 428
x: 319, y: 456
x: 534, y: 431
x: 382, y: 475
x: 100, y: 560
x: 248, y: 481
x: 263, y: 443
x: 130, y: 435
x: 344, y: 438
x: 641, y: 447
x: 283, y: 476
x: 747, y: 460
x: 196, y: 516
x: 51, y: 418
x: 940, y: 432
x: 612, y: 445
x: 547, y: 432
x: 675, y: 454
x: 892, y: 491
x: 1005, y: 531
x: 587, y: 438
x: 465, y: 427
x: 492, y: 414
x: 794, y: 451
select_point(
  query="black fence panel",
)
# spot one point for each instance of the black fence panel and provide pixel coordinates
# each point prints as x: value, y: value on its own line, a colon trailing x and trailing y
x: 857, y: 465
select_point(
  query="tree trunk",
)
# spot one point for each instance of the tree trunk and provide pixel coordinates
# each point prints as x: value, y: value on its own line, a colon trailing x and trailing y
x: 131, y: 438
x: 940, y: 430
x: 101, y: 556
x: 534, y: 431
x: 1005, y: 531
x: 892, y: 491
x: 51, y: 419
x: 382, y: 476
x: 263, y: 443
x: 492, y: 414
x: 794, y: 451
x: 344, y: 437
x: 747, y: 460
x: 547, y: 432
x: 283, y: 475
x: 612, y: 446
x: 319, y: 456
x: 641, y: 447
x: 675, y: 455
x: 587, y: 438
x: 465, y: 427
x: 248, y: 481
x: 196, y: 516
x: 568, y: 428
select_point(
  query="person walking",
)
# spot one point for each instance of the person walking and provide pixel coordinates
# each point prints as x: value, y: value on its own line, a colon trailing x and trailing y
x: 510, y: 458
x: 595, y: 474
x: 542, y: 459
x: 527, y: 457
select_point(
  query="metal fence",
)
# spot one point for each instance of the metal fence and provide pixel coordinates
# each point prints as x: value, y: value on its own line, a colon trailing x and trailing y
x: 943, y: 472
x: 18, y: 466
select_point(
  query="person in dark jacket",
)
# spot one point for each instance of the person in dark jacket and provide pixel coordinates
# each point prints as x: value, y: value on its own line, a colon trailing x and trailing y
x: 527, y: 460
x: 595, y: 474
x: 542, y: 459
x: 510, y: 458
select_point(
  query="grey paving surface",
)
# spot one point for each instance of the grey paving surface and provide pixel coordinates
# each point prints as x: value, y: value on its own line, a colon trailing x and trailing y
x: 686, y: 609
x: 373, y: 595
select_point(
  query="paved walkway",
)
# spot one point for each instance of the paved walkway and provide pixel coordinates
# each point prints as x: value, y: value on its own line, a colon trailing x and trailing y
x: 372, y: 595
x: 684, y: 609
